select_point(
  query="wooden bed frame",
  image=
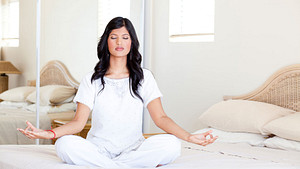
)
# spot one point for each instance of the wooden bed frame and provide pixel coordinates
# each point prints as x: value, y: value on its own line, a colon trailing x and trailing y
x: 281, y: 89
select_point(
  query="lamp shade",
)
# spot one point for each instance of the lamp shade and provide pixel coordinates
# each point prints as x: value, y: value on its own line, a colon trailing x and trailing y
x: 7, y: 67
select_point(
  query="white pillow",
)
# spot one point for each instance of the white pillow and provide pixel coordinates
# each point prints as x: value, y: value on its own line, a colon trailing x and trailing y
x: 281, y: 143
x: 53, y: 109
x: 53, y: 94
x: 13, y: 104
x: 235, y: 137
x: 18, y: 94
x: 286, y: 127
x: 242, y: 115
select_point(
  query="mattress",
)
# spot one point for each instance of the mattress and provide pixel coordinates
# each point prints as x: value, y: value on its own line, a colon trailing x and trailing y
x: 215, y: 156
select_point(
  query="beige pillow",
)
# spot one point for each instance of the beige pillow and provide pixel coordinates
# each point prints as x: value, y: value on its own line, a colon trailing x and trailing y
x: 286, y: 127
x: 18, y: 94
x: 52, y: 94
x: 242, y: 115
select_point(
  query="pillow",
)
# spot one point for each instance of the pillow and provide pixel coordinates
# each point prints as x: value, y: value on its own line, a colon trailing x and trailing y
x: 242, y: 115
x: 286, y: 127
x: 281, y: 143
x: 18, y: 94
x: 53, y: 109
x: 13, y: 104
x: 235, y: 137
x: 52, y: 94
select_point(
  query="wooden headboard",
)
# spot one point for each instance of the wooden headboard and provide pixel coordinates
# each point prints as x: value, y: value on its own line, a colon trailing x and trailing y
x: 282, y: 89
x: 55, y: 72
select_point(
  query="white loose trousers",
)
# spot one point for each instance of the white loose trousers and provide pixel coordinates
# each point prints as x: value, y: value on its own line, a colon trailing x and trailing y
x: 158, y: 149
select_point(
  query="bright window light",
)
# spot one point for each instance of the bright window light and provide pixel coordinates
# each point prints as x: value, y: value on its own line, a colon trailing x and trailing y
x: 191, y: 20
x: 10, y: 23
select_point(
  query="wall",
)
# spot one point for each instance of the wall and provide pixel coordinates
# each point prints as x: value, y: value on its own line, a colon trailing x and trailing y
x: 253, y: 38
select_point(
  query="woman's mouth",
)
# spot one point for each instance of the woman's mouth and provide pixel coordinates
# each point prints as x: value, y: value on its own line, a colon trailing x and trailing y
x: 119, y: 48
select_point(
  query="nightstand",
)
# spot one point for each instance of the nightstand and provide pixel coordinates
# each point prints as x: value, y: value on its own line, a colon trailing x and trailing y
x: 83, y: 133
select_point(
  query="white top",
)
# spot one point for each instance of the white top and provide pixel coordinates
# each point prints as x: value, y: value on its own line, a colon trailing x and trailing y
x: 116, y: 116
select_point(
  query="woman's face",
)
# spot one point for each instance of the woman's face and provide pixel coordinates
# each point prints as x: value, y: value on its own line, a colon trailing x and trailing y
x: 119, y: 42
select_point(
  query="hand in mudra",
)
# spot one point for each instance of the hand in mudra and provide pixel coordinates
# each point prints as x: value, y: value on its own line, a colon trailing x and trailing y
x: 202, y: 139
x: 34, y: 133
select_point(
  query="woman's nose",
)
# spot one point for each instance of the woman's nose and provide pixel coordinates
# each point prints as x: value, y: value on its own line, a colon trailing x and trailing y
x: 118, y: 41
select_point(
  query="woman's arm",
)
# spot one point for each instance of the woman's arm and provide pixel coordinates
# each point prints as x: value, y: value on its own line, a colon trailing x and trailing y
x: 74, y: 126
x: 168, y: 125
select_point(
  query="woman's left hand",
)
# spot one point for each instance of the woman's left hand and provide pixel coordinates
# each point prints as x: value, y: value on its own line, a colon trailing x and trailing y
x: 202, y: 139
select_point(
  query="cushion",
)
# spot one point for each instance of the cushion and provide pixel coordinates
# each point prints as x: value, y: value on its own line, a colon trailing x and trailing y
x: 281, y: 143
x: 242, y: 115
x: 235, y: 137
x: 53, y: 94
x: 18, y: 94
x: 286, y: 127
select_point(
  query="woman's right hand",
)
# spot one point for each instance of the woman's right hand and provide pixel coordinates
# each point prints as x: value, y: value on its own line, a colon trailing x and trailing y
x: 34, y: 133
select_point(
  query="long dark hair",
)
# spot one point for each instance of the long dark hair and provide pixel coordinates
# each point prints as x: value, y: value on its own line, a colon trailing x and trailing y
x: 134, y: 57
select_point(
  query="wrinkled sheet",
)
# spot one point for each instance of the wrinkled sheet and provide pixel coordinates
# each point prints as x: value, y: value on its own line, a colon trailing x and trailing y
x: 215, y: 156
x: 235, y: 156
x: 12, y: 118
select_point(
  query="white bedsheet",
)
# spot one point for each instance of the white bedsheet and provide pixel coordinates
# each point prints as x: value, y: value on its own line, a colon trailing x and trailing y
x: 13, y: 118
x: 215, y: 156
x: 235, y: 156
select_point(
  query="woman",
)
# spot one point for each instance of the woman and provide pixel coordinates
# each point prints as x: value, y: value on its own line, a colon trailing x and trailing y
x: 116, y: 92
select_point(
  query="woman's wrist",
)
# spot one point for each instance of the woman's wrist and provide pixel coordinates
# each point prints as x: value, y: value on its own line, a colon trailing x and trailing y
x: 188, y: 137
x: 52, y: 134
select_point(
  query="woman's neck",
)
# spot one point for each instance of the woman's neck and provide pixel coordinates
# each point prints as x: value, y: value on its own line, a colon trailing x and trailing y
x: 117, y: 68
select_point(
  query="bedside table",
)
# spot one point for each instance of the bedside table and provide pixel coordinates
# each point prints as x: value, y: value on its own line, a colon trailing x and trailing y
x: 83, y: 133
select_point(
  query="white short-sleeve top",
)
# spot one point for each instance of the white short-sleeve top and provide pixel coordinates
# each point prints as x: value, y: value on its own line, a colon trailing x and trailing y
x: 117, y: 116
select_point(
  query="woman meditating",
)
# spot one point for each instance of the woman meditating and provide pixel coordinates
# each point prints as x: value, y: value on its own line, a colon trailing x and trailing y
x: 116, y: 92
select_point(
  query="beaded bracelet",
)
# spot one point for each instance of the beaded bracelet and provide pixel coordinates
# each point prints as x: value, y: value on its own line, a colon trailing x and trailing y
x: 53, y: 133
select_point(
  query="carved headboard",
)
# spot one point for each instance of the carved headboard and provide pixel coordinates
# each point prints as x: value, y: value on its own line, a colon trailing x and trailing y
x: 282, y: 89
x: 55, y: 72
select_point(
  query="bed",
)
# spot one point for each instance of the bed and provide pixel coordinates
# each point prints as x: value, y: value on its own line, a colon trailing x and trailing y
x: 57, y: 89
x: 250, y: 129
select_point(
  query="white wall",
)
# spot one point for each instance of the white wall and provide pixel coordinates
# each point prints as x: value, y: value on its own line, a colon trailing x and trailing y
x: 253, y: 38
x: 68, y: 34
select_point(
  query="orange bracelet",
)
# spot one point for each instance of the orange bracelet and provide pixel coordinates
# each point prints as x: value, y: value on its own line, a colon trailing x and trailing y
x: 53, y: 133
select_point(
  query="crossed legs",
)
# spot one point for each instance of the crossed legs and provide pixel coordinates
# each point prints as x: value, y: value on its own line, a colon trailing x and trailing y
x: 156, y: 150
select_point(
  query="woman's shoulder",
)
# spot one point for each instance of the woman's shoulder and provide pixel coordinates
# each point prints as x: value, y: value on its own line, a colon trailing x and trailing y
x: 147, y: 72
x: 88, y: 75
x: 148, y: 75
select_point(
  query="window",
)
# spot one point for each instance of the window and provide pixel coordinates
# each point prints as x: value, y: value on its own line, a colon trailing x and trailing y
x: 108, y: 9
x: 10, y: 22
x: 191, y: 20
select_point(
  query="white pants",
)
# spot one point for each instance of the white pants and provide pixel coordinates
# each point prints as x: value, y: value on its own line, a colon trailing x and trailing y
x: 158, y: 149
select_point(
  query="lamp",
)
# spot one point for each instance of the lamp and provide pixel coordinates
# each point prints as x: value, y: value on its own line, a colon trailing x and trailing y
x: 6, y: 67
